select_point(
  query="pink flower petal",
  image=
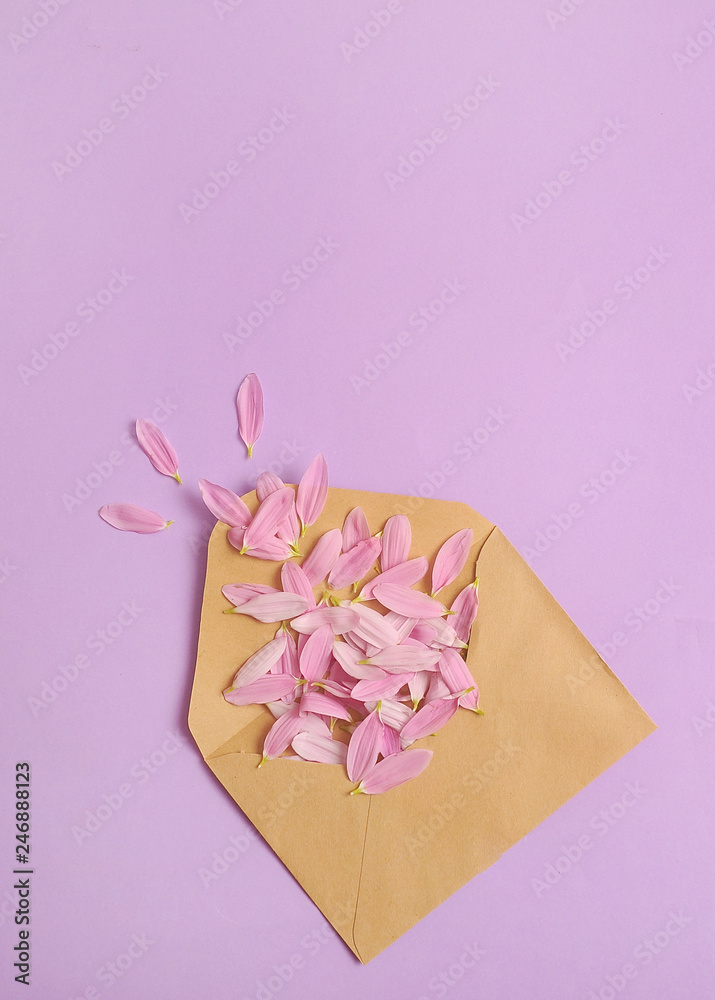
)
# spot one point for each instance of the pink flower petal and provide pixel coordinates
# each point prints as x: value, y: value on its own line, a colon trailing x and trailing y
x: 268, y: 482
x: 440, y: 633
x: 405, y: 658
x: 404, y: 574
x: 131, y: 517
x: 449, y: 561
x: 407, y: 602
x: 249, y: 406
x: 157, y: 448
x: 313, y: 492
x: 437, y: 690
x: 323, y: 557
x: 355, y: 528
x: 364, y: 746
x: 390, y: 741
x: 239, y: 593
x: 225, y: 505
x: 276, y: 607
x: 340, y: 620
x: 260, y: 663
x: 317, y: 653
x: 418, y: 686
x: 396, y: 541
x: 385, y: 687
x: 348, y: 658
x: 429, y: 719
x: 323, y: 749
x: 454, y: 671
x: 323, y: 704
x: 352, y: 565
x: 289, y: 529
x: 402, y: 625
x: 373, y: 627
x: 288, y: 663
x: 394, y: 770
x: 294, y: 581
x: 270, y: 548
x: 269, y: 515
x: 465, y: 605
x: 281, y: 734
x: 265, y: 689
x: 394, y: 713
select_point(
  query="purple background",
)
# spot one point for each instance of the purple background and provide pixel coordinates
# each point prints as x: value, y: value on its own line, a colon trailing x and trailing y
x: 393, y: 404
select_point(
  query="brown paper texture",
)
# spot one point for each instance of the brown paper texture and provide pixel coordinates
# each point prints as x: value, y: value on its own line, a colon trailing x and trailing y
x: 375, y: 865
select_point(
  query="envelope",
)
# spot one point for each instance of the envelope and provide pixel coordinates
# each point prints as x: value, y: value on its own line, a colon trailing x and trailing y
x: 555, y: 717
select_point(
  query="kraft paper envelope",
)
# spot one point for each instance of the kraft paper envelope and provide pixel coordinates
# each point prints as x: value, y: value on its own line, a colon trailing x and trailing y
x: 555, y: 718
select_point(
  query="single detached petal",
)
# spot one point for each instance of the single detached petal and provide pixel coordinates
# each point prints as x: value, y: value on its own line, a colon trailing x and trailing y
x: 268, y: 482
x: 454, y: 671
x: 390, y: 741
x: 349, y: 658
x: 131, y: 517
x: 287, y: 664
x: 249, y: 406
x: 272, y: 548
x: 404, y: 658
x: 394, y: 713
x: 265, y: 689
x: 323, y: 557
x: 157, y: 448
x: 449, y: 561
x: 294, y: 581
x: 407, y: 602
x: 429, y: 719
x: 385, y: 687
x: 355, y: 528
x: 404, y: 574
x: 436, y: 632
x: 403, y: 626
x: 313, y: 492
x: 323, y: 749
x: 340, y: 620
x: 396, y: 541
x: 282, y: 733
x: 289, y: 529
x: 418, y: 685
x: 225, y: 505
x: 260, y: 663
x: 465, y: 607
x: 267, y: 518
x: 394, y: 770
x: 276, y: 607
x: 373, y: 627
x: 437, y: 689
x: 352, y: 565
x: 239, y: 593
x: 317, y: 653
x: 323, y: 704
x: 364, y: 746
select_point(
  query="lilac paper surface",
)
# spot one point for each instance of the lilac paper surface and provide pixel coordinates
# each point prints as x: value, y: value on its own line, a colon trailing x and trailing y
x: 468, y: 249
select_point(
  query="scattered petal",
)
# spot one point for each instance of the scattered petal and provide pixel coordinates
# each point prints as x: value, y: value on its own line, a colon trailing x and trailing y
x: 131, y: 517
x: 317, y: 653
x: 454, y: 671
x: 289, y: 529
x: 373, y: 627
x: 390, y: 741
x: 225, y: 505
x: 239, y: 593
x: 394, y: 770
x: 355, y: 528
x: 157, y: 448
x: 313, y: 492
x: 341, y: 620
x: 352, y: 566
x: 268, y: 482
x: 269, y: 515
x: 282, y: 733
x: 294, y: 581
x: 249, y: 406
x: 323, y: 749
x: 465, y: 607
x: 407, y: 602
x: 394, y: 713
x: 396, y: 541
x: 404, y: 574
x: 270, y: 548
x: 405, y: 658
x: 260, y: 663
x: 429, y: 719
x: 384, y: 687
x: 323, y: 704
x: 349, y: 658
x: 276, y: 607
x: 265, y: 689
x: 364, y: 746
x: 449, y: 561
x: 323, y: 556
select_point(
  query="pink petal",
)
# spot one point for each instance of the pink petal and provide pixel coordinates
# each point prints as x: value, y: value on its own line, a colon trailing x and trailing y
x: 239, y: 593
x: 348, y: 659
x: 373, y: 628
x: 396, y: 541
x: 440, y: 633
x: 281, y: 734
x: 289, y: 529
x: 385, y: 687
x: 294, y: 581
x: 265, y: 689
x: 271, y: 548
x: 405, y: 574
x: 418, y: 686
x: 340, y: 620
x: 429, y: 719
x: 394, y: 713
x: 288, y: 663
x: 267, y: 518
x: 225, y: 505
x: 131, y: 517
x: 390, y: 741
x: 335, y: 688
x: 276, y: 607
x: 323, y: 749
x: 352, y: 566
x: 465, y: 605
x: 403, y: 626
x: 364, y: 746
x: 317, y: 653
x: 407, y: 602
x: 355, y: 528
x: 323, y: 557
x: 157, y: 448
x: 268, y: 482
x: 405, y: 658
x: 260, y: 663
x: 323, y: 704
x: 313, y: 492
x: 394, y: 770
x: 449, y: 561
x: 249, y: 406
x: 454, y: 671
x: 437, y: 690
x: 470, y: 700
